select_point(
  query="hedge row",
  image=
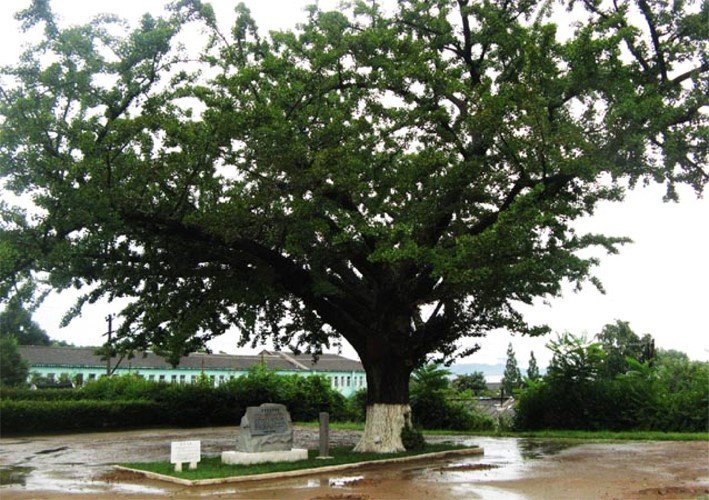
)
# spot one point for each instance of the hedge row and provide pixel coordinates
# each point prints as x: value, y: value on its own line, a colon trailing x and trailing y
x: 47, y: 416
x: 24, y: 394
x: 168, y: 404
x: 674, y: 398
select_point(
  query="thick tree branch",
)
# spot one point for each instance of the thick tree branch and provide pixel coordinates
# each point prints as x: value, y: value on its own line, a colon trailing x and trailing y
x: 650, y: 20
x: 289, y: 275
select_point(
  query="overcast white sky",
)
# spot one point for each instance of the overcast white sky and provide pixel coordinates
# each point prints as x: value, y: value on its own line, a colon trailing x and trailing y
x: 660, y: 283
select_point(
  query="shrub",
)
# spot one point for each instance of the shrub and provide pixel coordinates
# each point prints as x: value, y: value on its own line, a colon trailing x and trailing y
x: 673, y: 396
x: 432, y: 407
x: 358, y: 406
x: 13, y: 369
x: 24, y: 394
x: 49, y: 416
x: 129, y: 386
x: 194, y: 406
x: 412, y: 438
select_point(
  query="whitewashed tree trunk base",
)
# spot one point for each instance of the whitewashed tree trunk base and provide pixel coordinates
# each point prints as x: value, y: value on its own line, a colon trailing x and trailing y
x: 382, y: 430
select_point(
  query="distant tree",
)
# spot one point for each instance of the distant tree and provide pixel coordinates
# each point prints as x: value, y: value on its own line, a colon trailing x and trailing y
x: 13, y: 369
x: 575, y: 359
x: 532, y: 369
x: 575, y: 393
x: 620, y: 342
x: 430, y: 387
x: 664, y: 356
x: 432, y: 401
x: 512, y: 378
x: 429, y: 378
x: 473, y: 382
x: 16, y: 321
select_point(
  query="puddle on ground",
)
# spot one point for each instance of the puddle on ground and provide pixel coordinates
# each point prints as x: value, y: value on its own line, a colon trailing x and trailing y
x: 356, y: 481
x: 467, y: 467
x: 139, y: 489
x: 339, y: 482
x: 14, y: 475
x: 532, y: 449
x: 677, y: 492
x: 52, y: 450
x: 340, y: 496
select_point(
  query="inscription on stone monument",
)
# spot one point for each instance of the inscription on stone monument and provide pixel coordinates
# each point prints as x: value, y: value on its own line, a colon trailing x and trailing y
x: 268, y: 420
x: 265, y: 428
x: 185, y: 451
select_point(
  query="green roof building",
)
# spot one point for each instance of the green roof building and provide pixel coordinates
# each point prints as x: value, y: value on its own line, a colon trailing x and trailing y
x: 82, y: 364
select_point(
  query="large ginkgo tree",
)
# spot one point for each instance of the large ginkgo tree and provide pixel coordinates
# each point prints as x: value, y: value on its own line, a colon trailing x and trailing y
x: 400, y: 177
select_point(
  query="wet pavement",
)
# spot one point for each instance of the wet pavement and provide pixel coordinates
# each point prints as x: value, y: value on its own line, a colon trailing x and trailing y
x: 80, y: 465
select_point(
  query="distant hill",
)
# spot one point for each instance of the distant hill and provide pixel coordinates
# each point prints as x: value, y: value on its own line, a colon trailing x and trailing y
x: 491, y: 372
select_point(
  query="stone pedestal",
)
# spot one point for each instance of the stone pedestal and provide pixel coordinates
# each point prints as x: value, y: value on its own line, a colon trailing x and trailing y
x: 244, y: 458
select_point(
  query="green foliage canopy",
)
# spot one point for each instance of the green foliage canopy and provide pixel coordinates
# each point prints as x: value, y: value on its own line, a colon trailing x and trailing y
x: 13, y: 369
x: 620, y: 342
x: 401, y: 180
x: 512, y: 376
x: 16, y: 321
x: 576, y: 359
x: 577, y: 393
x: 434, y: 404
x: 473, y: 382
x: 533, y: 369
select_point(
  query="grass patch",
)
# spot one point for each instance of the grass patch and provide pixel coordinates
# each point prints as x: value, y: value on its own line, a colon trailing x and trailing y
x: 341, y: 426
x: 548, y: 434
x: 585, y: 435
x: 212, y: 467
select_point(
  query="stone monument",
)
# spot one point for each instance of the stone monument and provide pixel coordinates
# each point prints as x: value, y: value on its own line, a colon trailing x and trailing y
x: 185, y: 451
x: 266, y: 435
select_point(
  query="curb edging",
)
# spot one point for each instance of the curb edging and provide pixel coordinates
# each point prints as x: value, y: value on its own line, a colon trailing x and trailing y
x: 300, y: 472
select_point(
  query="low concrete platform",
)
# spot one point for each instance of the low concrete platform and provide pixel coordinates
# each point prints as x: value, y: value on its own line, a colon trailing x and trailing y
x: 244, y: 458
x: 304, y: 472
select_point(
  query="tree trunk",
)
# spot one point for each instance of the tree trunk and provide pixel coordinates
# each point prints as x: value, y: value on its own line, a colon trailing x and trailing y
x: 388, y: 409
x: 382, y: 431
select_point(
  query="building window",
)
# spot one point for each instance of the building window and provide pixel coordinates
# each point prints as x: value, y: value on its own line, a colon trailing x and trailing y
x: 231, y: 377
x: 221, y: 379
x: 348, y: 381
x: 182, y: 379
x: 336, y: 381
x: 161, y: 378
x: 92, y: 376
x: 194, y: 378
x: 174, y: 379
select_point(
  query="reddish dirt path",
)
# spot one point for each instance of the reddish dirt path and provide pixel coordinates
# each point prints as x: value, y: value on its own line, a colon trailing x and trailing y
x: 54, y: 467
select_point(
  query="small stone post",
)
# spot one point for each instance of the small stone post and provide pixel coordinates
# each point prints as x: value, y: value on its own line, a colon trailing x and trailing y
x: 324, y: 435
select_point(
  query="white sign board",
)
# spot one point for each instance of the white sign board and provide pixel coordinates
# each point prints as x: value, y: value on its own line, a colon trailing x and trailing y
x: 185, y: 451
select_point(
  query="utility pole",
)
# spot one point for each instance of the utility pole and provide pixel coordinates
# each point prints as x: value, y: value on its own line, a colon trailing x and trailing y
x: 109, y: 333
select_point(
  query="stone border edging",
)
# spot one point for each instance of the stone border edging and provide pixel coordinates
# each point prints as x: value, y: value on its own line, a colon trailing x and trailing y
x: 300, y: 472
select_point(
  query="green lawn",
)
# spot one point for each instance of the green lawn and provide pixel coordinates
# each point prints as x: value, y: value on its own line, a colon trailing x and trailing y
x: 548, y: 434
x: 585, y: 435
x: 212, y: 467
